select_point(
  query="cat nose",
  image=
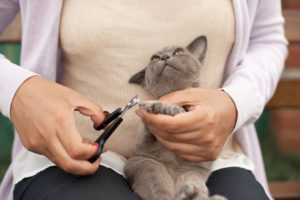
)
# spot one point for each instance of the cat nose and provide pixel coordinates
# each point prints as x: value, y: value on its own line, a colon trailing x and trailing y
x: 165, y: 57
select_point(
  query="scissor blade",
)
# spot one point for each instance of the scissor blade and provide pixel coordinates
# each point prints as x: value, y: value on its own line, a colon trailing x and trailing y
x: 135, y: 100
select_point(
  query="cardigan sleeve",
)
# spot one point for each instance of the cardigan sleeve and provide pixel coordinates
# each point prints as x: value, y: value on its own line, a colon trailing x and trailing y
x: 255, y: 79
x: 11, y: 75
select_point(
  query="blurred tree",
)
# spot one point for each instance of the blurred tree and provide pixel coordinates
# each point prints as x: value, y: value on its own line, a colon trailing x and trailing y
x: 12, y: 52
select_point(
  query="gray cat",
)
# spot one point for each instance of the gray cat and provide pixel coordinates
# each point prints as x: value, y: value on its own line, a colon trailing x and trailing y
x: 154, y: 172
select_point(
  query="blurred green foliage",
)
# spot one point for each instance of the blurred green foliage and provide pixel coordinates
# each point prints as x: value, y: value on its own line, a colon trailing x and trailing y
x: 280, y: 166
x: 12, y: 52
x: 6, y: 138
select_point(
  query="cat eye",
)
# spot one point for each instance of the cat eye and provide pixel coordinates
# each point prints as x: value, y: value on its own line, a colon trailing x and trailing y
x: 178, y: 51
x: 155, y: 58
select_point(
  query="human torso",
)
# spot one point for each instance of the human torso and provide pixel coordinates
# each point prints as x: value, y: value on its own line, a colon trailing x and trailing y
x: 105, y: 42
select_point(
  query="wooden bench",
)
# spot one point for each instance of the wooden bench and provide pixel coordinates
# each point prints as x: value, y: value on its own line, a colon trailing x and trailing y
x: 287, y: 93
x: 285, y: 190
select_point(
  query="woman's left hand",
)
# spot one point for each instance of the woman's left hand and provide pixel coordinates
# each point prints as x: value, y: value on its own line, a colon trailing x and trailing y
x: 199, y: 134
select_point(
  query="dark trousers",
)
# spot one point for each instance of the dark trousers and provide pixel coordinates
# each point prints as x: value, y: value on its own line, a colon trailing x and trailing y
x: 54, y: 184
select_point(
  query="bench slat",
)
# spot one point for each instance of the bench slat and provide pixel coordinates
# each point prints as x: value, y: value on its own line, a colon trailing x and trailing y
x: 292, y: 25
x: 287, y: 95
x: 293, y: 59
x: 285, y: 190
x: 13, y: 31
x: 291, y: 4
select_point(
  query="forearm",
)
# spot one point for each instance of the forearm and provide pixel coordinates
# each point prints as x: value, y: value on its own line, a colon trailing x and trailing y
x: 255, y: 79
x: 11, y: 77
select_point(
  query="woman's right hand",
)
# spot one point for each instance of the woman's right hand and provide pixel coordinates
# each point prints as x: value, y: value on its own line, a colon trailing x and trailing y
x: 42, y: 113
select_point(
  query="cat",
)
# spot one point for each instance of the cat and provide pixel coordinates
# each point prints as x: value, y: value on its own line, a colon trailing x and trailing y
x: 154, y: 172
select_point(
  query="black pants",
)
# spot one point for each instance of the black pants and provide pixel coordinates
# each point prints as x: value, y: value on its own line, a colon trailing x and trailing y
x: 54, y: 184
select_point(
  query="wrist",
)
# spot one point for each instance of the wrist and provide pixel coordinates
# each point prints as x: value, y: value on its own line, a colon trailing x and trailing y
x: 20, y: 95
x: 230, y: 110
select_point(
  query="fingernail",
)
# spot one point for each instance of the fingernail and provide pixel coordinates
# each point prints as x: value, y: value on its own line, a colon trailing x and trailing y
x: 140, y: 113
x: 96, y: 144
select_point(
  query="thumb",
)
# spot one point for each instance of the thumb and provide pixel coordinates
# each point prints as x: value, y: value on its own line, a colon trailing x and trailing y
x: 182, y: 98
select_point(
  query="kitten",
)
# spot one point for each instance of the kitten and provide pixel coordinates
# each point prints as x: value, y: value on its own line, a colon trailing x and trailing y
x: 154, y: 172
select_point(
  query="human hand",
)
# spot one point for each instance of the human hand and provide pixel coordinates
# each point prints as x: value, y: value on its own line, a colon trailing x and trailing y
x: 42, y: 113
x: 199, y: 134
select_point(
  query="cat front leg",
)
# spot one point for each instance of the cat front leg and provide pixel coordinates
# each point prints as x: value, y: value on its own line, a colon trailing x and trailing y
x: 160, y: 108
x: 149, y: 179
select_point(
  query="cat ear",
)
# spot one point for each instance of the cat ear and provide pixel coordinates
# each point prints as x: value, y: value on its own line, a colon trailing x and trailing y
x: 198, y: 47
x: 138, y: 78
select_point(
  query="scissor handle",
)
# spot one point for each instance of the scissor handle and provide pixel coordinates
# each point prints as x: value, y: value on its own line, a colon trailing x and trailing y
x: 109, y: 118
x: 104, y: 136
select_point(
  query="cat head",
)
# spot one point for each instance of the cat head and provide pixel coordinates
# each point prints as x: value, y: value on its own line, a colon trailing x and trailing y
x: 173, y: 68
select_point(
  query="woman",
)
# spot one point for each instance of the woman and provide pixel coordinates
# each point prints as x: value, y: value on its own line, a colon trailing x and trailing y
x: 42, y: 111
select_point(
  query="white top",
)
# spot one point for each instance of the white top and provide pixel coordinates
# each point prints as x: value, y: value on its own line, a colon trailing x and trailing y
x: 106, y: 42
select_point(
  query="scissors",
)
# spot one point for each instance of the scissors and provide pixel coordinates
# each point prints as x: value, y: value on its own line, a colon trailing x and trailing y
x: 116, y: 117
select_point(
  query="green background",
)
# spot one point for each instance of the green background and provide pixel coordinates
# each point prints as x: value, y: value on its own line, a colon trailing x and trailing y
x: 279, y: 165
x: 12, y: 52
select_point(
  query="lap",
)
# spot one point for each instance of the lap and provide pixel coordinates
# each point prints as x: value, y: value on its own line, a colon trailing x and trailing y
x: 235, y: 184
x: 53, y: 183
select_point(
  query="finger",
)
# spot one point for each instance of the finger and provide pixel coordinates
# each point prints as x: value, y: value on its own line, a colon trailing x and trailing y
x: 61, y: 157
x: 204, y: 146
x: 181, y: 98
x: 181, y: 148
x: 181, y: 123
x: 42, y: 147
x: 71, y: 140
x: 190, y: 137
x: 91, y: 109
x: 86, y: 141
x: 104, y: 149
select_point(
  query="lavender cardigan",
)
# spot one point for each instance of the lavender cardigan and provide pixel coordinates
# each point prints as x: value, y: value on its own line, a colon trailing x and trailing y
x: 252, y: 71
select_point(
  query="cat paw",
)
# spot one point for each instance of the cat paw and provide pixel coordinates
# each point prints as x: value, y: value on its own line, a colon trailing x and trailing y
x: 217, y: 197
x: 189, y: 191
x: 159, y: 108
x: 153, y: 107
x: 173, y: 110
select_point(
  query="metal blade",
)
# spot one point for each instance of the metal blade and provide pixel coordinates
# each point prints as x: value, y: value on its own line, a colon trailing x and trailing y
x: 135, y: 100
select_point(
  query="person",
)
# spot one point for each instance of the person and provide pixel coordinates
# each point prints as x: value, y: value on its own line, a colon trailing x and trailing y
x: 91, y: 48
